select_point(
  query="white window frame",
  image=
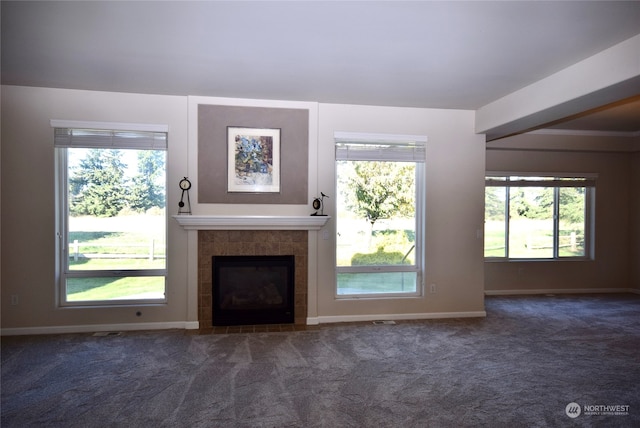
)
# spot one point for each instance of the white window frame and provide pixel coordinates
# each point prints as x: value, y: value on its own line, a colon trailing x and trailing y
x: 352, y: 146
x: 555, y: 181
x: 157, y: 137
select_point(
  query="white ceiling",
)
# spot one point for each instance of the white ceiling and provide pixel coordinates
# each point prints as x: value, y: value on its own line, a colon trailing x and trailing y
x: 447, y: 54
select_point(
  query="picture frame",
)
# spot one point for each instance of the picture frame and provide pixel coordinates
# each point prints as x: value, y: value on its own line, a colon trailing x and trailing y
x: 253, y: 160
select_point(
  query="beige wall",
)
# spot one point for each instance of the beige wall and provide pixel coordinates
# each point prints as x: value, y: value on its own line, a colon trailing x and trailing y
x: 454, y: 217
x: 454, y: 214
x: 614, y: 195
x: 28, y: 202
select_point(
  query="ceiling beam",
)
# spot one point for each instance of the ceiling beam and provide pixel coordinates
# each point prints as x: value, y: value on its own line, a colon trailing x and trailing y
x: 606, y: 77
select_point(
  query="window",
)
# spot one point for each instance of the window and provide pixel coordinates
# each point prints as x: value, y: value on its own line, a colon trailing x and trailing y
x: 538, y: 217
x: 110, y: 187
x: 380, y: 197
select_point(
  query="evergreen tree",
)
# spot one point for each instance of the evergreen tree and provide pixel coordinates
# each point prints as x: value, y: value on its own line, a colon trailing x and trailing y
x: 147, y: 188
x: 97, y: 184
x: 494, y: 203
x: 544, y: 200
x: 572, y: 200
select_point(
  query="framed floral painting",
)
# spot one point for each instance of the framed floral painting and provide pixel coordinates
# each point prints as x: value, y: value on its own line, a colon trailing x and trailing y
x: 253, y: 160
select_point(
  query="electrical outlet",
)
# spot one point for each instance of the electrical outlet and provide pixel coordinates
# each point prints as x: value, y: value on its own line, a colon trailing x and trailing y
x: 433, y: 288
x: 14, y: 300
x: 325, y: 235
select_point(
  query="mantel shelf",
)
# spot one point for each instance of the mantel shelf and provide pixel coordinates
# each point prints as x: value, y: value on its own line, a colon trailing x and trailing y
x: 248, y: 222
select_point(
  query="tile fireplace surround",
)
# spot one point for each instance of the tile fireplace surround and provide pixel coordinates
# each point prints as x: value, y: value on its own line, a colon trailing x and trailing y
x: 251, y: 243
x: 251, y: 235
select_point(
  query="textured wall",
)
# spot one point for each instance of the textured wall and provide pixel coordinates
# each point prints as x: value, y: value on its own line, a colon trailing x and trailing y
x: 213, y: 121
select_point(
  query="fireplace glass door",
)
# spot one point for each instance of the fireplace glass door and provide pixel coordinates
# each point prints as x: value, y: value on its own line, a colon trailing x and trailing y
x: 251, y: 290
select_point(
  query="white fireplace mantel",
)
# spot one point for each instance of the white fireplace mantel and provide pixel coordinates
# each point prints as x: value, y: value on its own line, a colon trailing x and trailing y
x: 250, y: 222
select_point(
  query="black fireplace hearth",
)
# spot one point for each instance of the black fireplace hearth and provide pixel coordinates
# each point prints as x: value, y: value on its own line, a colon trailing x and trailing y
x: 250, y: 290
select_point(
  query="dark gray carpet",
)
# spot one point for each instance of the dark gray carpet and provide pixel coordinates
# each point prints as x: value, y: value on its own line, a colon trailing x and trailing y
x: 520, y: 366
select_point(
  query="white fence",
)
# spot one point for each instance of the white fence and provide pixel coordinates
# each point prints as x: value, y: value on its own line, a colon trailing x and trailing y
x: 74, y: 251
x: 563, y: 242
x: 533, y: 243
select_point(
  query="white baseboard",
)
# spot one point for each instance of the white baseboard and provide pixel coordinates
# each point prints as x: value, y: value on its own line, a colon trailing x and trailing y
x: 92, y: 328
x: 393, y: 317
x: 560, y: 291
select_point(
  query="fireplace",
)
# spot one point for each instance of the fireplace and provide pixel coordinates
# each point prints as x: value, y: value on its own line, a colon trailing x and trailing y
x: 252, y: 242
x: 253, y: 289
x: 216, y: 235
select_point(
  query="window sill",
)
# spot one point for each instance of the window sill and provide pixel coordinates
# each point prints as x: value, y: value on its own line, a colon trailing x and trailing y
x: 564, y: 259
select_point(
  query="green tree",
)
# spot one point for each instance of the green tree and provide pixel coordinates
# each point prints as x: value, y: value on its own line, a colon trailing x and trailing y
x: 494, y: 203
x: 97, y: 184
x: 543, y: 202
x: 572, y: 205
x: 147, y: 187
x: 571, y: 201
x: 519, y: 204
x: 381, y: 190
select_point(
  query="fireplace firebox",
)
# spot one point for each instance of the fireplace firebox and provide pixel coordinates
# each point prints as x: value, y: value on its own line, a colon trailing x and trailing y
x: 251, y: 290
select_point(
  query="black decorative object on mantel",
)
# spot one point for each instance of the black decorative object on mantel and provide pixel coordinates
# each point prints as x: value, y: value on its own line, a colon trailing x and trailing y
x: 185, y: 207
x: 318, y: 204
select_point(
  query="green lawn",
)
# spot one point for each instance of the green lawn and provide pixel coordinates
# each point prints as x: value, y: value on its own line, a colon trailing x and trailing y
x: 529, y: 239
x: 116, y: 243
x: 89, y: 289
x: 392, y: 242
